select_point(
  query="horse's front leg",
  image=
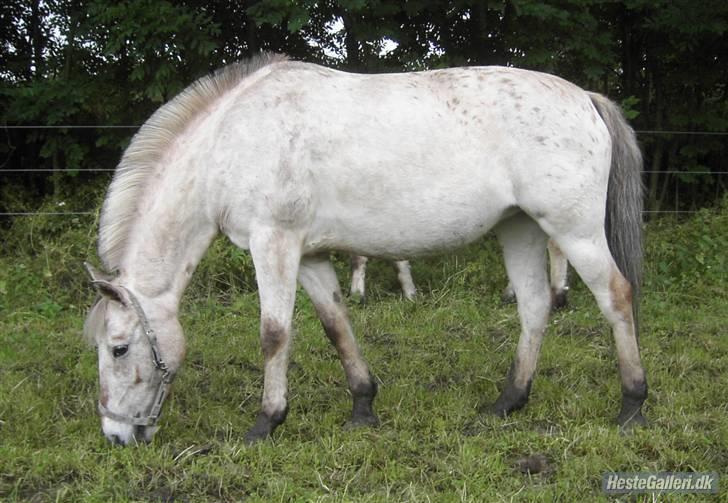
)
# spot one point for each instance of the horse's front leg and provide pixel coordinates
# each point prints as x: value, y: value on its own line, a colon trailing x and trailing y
x: 276, y: 255
x: 318, y: 278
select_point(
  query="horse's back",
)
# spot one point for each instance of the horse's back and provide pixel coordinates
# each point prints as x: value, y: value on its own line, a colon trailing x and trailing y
x: 403, y: 164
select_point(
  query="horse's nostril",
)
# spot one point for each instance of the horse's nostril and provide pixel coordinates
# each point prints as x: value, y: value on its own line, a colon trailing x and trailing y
x: 115, y: 439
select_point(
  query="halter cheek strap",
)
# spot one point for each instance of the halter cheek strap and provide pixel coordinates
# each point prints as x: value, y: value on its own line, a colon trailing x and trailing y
x: 163, y: 383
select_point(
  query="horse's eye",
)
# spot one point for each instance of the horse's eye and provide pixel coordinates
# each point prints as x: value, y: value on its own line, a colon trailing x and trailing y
x: 119, y: 351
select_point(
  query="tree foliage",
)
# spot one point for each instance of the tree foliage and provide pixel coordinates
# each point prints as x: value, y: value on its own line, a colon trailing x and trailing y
x: 92, y: 62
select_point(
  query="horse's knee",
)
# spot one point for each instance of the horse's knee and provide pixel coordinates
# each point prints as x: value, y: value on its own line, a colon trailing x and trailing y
x: 273, y: 337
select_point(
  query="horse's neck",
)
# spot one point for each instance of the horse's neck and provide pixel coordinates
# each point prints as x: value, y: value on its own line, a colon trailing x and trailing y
x: 168, y: 239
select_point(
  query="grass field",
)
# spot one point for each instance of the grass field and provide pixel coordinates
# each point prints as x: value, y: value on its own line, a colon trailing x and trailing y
x: 437, y: 361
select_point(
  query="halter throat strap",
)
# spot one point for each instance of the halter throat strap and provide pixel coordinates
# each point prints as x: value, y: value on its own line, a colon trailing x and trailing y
x: 165, y: 376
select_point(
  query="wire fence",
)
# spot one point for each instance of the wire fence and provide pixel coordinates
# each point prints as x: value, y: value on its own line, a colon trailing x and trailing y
x: 122, y: 126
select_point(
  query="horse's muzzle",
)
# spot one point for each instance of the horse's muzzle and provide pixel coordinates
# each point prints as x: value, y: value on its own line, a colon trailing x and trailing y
x: 125, y: 434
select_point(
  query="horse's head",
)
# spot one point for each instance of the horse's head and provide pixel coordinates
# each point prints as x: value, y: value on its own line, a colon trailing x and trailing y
x: 140, y: 348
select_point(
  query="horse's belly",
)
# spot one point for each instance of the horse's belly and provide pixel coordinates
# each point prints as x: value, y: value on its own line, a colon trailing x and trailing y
x: 408, y: 223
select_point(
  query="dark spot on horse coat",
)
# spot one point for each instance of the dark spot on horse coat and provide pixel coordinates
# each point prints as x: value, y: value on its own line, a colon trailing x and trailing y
x: 621, y: 294
x: 545, y: 84
x: 137, y: 376
x: 272, y: 337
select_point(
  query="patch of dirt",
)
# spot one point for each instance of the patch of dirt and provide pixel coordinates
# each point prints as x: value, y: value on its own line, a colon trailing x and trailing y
x: 534, y: 464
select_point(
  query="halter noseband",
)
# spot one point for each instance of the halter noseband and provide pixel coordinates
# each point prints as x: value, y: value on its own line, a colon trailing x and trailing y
x: 165, y: 381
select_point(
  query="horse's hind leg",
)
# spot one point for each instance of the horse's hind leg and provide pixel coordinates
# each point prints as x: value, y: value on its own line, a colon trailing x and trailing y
x: 318, y: 278
x: 358, y: 278
x: 404, y: 274
x: 559, y: 268
x: 524, y: 245
x: 559, y: 274
x: 276, y: 256
x: 592, y: 260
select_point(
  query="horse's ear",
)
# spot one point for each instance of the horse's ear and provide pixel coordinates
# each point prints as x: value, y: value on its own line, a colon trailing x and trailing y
x: 95, y: 274
x: 111, y: 291
x: 102, y: 283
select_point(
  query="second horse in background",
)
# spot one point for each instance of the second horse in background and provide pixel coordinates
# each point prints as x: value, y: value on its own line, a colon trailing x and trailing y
x: 559, y: 278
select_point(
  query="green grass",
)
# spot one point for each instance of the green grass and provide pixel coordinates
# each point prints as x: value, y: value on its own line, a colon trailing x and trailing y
x: 437, y: 361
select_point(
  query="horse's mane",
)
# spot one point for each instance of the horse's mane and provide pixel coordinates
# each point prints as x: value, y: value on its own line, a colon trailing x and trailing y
x: 149, y: 144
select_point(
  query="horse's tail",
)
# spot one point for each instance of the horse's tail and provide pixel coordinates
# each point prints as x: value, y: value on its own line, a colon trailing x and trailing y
x: 623, y: 222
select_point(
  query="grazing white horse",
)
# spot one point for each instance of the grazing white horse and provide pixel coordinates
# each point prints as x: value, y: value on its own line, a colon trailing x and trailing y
x: 291, y: 160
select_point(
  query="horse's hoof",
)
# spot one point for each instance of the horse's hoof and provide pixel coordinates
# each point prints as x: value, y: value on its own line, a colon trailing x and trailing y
x: 362, y: 421
x: 630, y: 423
x: 508, y: 299
x: 264, y: 426
x: 410, y: 296
x: 358, y: 298
x: 496, y: 410
x: 253, y: 437
x: 510, y: 399
x: 560, y: 301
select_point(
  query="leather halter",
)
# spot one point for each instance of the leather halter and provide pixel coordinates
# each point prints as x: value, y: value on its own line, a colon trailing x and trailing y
x: 165, y: 376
